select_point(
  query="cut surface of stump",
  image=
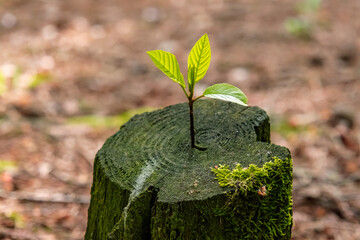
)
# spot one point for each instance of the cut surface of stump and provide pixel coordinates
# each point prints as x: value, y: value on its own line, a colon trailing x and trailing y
x: 150, y: 184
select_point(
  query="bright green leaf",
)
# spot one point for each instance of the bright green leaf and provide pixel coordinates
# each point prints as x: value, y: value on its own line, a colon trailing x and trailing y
x: 168, y: 64
x: 199, y: 59
x: 226, y: 92
x: 191, y: 72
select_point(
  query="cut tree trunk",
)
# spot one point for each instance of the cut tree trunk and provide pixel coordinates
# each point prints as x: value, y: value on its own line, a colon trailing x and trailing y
x: 150, y: 184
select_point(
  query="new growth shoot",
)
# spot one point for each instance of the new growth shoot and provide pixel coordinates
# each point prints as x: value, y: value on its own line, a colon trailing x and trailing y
x: 198, y: 64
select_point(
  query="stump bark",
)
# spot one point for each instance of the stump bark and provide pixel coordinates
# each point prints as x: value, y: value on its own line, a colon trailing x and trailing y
x: 150, y: 184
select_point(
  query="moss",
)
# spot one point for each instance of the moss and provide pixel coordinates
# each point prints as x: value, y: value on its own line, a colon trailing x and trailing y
x: 272, y: 218
x: 188, y: 220
x: 189, y: 203
x: 138, y: 220
x: 106, y: 200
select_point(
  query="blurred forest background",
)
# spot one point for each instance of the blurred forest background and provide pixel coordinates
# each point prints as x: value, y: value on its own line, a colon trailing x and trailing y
x: 71, y: 72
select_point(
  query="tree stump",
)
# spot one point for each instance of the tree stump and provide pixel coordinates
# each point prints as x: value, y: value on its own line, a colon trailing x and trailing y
x: 150, y: 184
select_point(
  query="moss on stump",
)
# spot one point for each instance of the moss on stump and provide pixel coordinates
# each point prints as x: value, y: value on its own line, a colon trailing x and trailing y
x: 150, y: 184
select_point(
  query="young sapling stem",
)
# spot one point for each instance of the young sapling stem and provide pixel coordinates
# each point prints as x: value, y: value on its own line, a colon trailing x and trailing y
x: 191, y: 83
x: 192, y: 129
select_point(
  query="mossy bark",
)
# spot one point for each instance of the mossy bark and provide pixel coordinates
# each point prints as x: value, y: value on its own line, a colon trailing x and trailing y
x: 150, y: 184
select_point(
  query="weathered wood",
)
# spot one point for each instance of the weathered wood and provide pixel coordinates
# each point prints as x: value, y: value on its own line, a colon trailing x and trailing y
x: 150, y: 184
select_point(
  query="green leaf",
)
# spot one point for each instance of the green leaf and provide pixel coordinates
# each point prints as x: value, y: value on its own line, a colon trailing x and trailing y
x: 168, y: 64
x: 226, y: 92
x: 199, y: 59
x: 191, y: 72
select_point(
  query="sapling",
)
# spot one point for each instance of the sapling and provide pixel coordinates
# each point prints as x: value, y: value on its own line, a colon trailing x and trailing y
x: 198, y: 64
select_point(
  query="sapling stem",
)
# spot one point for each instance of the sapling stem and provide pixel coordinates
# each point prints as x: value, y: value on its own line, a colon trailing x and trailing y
x: 191, y: 108
x: 191, y: 112
x: 192, y: 130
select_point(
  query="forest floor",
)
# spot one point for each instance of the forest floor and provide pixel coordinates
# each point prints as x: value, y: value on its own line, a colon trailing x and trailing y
x: 71, y: 72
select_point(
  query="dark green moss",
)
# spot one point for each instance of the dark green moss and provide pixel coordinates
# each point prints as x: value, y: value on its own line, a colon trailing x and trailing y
x: 152, y: 151
x: 107, y: 203
x: 138, y: 218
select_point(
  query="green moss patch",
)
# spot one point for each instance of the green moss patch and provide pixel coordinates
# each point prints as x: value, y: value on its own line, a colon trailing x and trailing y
x: 267, y: 190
